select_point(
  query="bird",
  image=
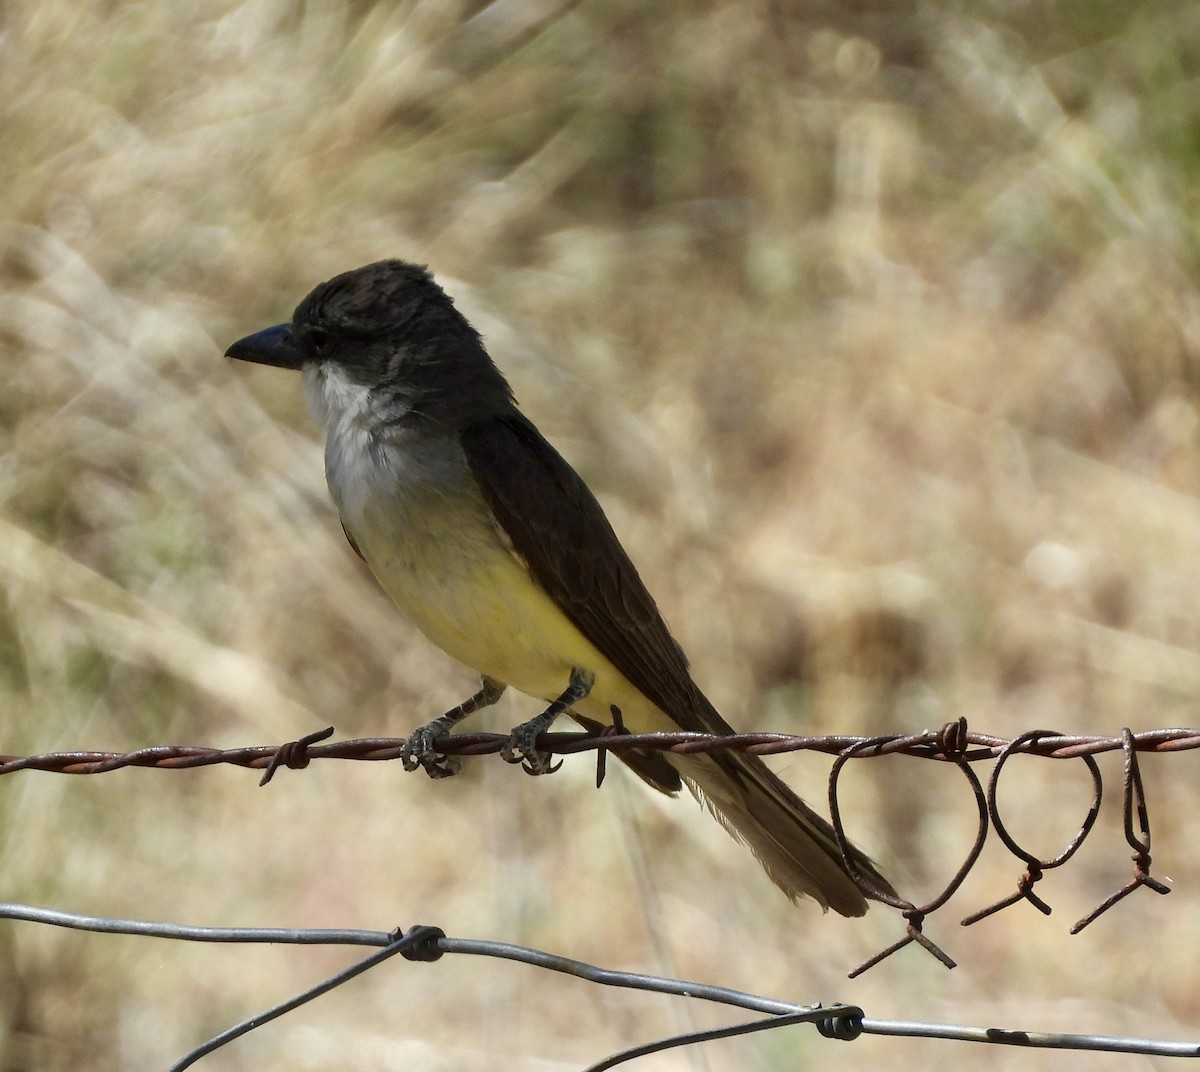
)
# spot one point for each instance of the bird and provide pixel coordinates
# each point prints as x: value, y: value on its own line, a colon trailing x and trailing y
x: 495, y: 548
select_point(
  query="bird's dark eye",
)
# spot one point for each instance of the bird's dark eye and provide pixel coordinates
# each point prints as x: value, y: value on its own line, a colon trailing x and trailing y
x: 318, y: 339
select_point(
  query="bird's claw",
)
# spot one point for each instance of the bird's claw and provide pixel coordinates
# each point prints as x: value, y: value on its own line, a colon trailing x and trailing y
x: 522, y: 748
x: 418, y: 751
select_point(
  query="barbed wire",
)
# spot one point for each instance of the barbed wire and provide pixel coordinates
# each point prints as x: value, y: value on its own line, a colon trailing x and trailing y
x: 953, y: 743
x: 426, y: 944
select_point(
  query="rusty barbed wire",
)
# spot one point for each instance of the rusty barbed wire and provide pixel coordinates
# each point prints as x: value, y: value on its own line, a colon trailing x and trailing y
x: 952, y: 743
x: 927, y: 744
x: 423, y: 944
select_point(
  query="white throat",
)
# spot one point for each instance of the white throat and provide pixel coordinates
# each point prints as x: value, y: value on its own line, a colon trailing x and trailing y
x: 337, y: 402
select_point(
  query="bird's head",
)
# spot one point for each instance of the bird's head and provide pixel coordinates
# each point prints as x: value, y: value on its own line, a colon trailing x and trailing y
x: 389, y: 331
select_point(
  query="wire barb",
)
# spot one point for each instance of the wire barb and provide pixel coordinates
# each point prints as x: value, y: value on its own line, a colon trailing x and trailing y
x: 294, y: 755
x: 914, y: 932
x: 615, y: 730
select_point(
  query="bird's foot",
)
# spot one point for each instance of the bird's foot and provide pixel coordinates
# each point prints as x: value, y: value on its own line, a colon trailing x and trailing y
x: 522, y: 745
x: 419, y: 751
x: 522, y: 742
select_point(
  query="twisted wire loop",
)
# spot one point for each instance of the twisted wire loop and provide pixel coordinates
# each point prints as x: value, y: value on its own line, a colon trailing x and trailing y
x: 1134, y: 802
x: 951, y: 742
x: 1035, y: 867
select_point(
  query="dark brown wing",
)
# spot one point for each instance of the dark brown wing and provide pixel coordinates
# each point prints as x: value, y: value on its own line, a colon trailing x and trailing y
x: 558, y: 528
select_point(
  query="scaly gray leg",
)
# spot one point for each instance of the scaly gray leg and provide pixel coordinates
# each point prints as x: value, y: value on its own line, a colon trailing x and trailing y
x: 522, y: 743
x: 419, y: 750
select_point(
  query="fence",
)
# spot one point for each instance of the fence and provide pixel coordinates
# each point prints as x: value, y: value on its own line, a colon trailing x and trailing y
x: 953, y: 744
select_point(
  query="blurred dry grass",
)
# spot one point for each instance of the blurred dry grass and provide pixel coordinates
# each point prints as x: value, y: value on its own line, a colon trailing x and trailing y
x: 874, y: 324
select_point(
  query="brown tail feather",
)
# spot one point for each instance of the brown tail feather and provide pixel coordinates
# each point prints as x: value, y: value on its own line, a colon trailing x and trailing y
x: 794, y: 844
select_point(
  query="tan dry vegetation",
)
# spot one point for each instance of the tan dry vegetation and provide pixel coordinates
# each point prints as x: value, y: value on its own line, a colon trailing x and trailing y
x: 876, y: 328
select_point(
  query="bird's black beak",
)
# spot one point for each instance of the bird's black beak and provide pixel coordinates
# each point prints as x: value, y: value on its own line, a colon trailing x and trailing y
x: 271, y: 346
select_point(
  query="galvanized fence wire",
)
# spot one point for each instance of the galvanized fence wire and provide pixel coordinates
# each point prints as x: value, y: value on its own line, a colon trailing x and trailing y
x: 952, y: 744
x: 426, y: 944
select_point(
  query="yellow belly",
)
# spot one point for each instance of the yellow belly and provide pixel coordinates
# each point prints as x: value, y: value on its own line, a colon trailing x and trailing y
x: 472, y: 597
x: 486, y: 612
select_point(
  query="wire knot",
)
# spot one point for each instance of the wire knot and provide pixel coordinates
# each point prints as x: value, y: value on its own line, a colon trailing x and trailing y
x: 424, y: 942
x: 844, y: 1022
x: 293, y: 755
x: 952, y: 739
x: 1026, y: 882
